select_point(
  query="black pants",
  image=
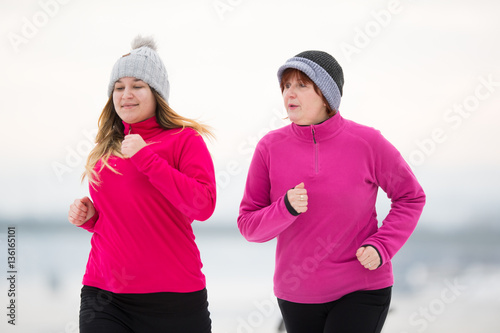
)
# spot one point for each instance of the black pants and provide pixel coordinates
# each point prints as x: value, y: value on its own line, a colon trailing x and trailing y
x: 104, y: 311
x: 358, y: 312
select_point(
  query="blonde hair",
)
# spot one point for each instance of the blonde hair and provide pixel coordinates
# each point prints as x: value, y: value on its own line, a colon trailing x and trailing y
x: 110, y: 134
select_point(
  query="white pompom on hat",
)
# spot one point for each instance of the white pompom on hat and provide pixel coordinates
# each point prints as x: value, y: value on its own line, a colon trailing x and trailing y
x: 143, y: 62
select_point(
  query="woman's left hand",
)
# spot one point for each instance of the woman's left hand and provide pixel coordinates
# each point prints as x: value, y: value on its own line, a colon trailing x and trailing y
x: 368, y: 257
x: 132, y: 144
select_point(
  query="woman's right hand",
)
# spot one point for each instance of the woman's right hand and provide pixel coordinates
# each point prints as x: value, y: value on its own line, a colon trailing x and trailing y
x: 297, y: 197
x: 80, y: 211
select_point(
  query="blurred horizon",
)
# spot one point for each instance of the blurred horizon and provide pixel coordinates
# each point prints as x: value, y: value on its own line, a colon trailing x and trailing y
x: 447, y: 208
x: 425, y: 73
x: 431, y: 86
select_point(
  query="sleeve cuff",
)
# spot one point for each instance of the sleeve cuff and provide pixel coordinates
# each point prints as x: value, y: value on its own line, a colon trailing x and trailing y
x: 89, y: 225
x: 291, y: 210
x: 141, y: 156
x: 381, y: 260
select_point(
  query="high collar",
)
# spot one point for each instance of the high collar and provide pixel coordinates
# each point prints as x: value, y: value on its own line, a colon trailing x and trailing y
x: 147, y: 128
x: 320, y: 132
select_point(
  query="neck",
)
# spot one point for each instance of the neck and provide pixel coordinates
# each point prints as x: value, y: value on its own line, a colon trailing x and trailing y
x: 146, y: 128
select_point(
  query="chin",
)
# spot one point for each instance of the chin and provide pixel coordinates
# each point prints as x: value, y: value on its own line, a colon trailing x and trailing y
x: 292, y: 117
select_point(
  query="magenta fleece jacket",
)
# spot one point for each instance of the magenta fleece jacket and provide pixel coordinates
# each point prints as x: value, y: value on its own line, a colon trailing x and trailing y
x: 342, y: 165
x: 142, y: 238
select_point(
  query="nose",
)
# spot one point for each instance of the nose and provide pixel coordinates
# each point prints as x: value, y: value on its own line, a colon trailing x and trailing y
x: 289, y: 92
x: 127, y: 92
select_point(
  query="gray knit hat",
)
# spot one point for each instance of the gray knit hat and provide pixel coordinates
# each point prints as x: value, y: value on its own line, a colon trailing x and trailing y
x: 142, y: 63
x: 323, y: 70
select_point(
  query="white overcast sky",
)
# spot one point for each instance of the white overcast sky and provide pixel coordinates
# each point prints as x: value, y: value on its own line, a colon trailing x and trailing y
x: 426, y: 73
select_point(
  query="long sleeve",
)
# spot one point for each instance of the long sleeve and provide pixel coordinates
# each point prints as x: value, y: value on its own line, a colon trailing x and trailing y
x: 259, y: 219
x: 89, y: 225
x: 407, y: 197
x: 143, y: 240
x: 191, y: 186
x: 342, y: 165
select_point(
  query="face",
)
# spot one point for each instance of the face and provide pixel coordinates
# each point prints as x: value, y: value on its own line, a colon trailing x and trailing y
x: 133, y: 100
x: 303, y: 104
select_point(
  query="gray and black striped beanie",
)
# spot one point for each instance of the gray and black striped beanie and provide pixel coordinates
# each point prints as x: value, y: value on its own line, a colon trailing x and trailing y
x: 323, y: 70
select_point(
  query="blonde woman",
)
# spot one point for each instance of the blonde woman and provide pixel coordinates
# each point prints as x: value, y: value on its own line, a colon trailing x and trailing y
x: 150, y: 176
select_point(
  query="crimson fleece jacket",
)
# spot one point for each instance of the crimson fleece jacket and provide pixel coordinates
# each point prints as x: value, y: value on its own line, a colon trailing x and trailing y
x: 142, y: 240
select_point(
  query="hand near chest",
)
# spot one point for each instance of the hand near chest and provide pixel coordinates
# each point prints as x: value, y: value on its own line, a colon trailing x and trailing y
x: 132, y: 144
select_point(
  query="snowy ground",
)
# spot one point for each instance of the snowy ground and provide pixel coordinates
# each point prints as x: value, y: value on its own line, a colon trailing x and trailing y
x: 428, y: 296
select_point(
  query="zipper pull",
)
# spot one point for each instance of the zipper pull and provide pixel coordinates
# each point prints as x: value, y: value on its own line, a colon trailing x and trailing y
x: 314, y: 136
x: 129, y: 129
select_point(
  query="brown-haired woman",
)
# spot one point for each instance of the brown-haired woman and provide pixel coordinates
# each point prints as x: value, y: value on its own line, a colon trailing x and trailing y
x: 313, y: 186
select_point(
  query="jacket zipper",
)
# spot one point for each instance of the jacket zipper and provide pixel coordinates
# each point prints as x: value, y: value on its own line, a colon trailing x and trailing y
x: 315, y: 150
x: 129, y: 128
